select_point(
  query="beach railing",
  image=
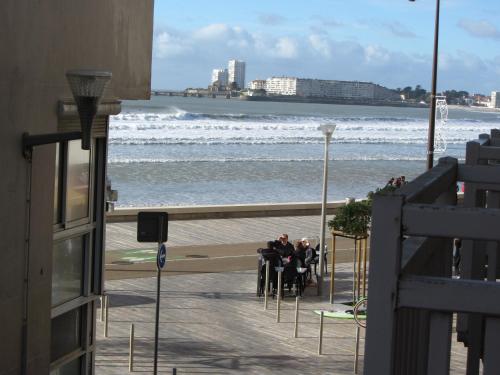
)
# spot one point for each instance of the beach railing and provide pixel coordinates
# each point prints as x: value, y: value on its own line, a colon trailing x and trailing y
x: 413, y: 295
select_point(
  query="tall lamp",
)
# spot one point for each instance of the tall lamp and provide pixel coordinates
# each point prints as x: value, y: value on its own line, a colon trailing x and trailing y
x: 432, y: 113
x: 327, y: 130
x: 87, y: 87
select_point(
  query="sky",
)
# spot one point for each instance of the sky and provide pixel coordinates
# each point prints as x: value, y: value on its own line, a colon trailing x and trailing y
x: 389, y: 42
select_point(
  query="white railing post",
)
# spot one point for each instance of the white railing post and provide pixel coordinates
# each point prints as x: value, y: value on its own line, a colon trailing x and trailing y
x: 106, y: 315
x: 266, y: 291
x: 320, y: 339
x: 278, y: 302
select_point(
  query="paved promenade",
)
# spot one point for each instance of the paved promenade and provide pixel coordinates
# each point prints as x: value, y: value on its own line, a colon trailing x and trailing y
x: 211, y: 320
x: 215, y: 245
x: 214, y: 324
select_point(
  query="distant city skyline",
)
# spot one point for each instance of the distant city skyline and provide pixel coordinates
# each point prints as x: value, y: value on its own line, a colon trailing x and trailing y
x: 380, y: 41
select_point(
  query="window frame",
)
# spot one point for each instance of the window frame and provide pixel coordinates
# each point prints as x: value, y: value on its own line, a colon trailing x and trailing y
x: 92, y: 228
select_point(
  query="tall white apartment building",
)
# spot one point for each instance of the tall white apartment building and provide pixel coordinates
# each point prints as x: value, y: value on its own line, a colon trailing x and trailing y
x: 236, y: 73
x: 220, y: 75
x: 495, y: 99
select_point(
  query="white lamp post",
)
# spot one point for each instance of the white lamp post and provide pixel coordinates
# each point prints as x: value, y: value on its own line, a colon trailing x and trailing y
x: 327, y: 130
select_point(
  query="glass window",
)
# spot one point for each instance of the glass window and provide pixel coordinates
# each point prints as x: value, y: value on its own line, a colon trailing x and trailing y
x: 77, y: 185
x: 71, y: 368
x: 67, y: 270
x: 66, y: 334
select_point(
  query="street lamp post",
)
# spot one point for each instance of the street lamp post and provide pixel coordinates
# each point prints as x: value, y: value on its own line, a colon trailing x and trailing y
x: 432, y: 113
x: 327, y: 131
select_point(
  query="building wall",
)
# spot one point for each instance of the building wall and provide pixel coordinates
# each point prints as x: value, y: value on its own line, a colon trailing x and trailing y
x: 220, y: 75
x: 282, y: 86
x: 327, y: 88
x: 236, y: 73
x: 258, y: 84
x: 40, y: 40
x: 495, y: 99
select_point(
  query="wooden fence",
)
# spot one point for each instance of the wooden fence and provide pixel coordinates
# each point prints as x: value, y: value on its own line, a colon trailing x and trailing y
x: 412, y: 294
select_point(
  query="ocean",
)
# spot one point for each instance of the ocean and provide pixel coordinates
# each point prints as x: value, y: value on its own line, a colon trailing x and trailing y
x: 201, y: 151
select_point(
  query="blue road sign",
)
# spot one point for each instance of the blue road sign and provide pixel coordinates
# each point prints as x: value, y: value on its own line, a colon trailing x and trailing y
x: 161, y: 258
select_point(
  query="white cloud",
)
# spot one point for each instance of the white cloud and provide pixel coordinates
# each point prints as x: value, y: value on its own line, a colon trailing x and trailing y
x: 286, y: 48
x: 479, y: 29
x: 376, y: 55
x: 211, y: 32
x: 398, y: 29
x: 168, y: 45
x: 320, y: 44
x: 186, y: 58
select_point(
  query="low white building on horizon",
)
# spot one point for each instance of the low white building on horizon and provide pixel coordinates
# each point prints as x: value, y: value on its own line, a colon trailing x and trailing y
x: 307, y: 87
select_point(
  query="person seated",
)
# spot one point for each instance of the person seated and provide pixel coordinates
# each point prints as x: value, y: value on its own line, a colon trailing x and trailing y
x: 284, y: 247
x: 310, y: 253
x: 300, y: 253
x: 273, y: 256
x: 270, y: 252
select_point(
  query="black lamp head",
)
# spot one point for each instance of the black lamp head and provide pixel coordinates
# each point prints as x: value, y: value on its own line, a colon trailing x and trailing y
x: 87, y: 87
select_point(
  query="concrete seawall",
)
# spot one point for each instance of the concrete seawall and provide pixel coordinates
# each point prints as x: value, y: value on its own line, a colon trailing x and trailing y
x: 226, y: 211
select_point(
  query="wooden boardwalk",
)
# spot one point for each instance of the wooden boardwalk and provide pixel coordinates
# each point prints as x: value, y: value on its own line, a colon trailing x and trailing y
x: 215, y: 245
x: 211, y: 320
x: 214, y: 324
x: 219, y: 231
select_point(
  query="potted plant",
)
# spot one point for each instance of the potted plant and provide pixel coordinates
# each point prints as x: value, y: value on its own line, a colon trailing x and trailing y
x: 355, y: 217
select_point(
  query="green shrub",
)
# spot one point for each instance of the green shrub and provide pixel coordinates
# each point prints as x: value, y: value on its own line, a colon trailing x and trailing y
x: 353, y: 218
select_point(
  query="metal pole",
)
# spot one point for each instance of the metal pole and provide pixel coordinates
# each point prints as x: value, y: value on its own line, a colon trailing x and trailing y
x: 323, y: 217
x: 102, y: 307
x: 266, y: 290
x: 278, y: 302
x: 158, y: 284
x: 356, y: 350
x: 332, y: 274
x: 432, y: 113
x: 365, y: 254
x: 320, y: 340
x: 360, y: 260
x: 296, y: 328
x: 157, y: 323
x: 106, y: 314
x: 131, y: 350
x: 354, y: 271
x: 259, y: 266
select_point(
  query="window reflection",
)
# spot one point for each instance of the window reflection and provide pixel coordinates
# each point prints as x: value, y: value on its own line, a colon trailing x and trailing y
x: 66, y: 334
x: 67, y: 270
x: 78, y: 178
x: 72, y: 368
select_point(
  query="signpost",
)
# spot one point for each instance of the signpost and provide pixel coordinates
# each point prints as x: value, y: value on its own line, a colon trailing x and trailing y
x: 161, y: 259
x: 151, y: 227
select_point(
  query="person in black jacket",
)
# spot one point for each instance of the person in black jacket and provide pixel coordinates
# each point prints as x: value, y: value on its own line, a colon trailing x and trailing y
x: 284, y: 247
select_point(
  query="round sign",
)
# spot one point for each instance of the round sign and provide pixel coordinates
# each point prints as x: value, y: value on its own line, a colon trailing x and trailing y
x: 161, y: 258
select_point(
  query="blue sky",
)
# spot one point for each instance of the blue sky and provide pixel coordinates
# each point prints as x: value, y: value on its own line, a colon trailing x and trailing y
x: 384, y: 41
